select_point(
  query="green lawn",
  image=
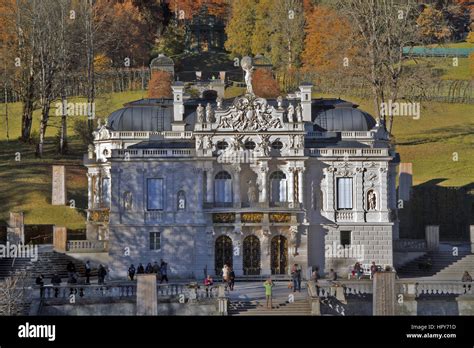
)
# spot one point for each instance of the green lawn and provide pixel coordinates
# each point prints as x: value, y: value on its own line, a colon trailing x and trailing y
x: 26, y: 185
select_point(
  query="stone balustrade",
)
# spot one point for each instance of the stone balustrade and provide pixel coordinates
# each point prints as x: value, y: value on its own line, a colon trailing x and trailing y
x: 125, y: 291
x: 349, y: 152
x: 409, y: 245
x: 344, y: 215
x: 359, y: 287
x: 75, y: 246
x: 156, y: 153
x: 434, y: 287
x: 146, y: 135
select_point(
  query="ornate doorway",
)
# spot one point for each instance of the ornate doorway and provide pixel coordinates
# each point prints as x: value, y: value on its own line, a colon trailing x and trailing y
x: 223, y: 253
x: 279, y: 255
x: 251, y: 254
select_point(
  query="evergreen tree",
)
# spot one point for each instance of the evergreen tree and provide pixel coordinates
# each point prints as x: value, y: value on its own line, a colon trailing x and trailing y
x: 240, y: 28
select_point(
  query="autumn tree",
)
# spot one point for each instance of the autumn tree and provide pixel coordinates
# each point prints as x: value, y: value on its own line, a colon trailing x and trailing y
x: 186, y: 9
x: 264, y: 84
x: 240, y: 28
x: 432, y: 25
x: 160, y: 84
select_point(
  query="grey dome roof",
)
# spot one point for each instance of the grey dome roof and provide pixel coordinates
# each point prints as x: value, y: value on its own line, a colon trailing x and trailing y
x: 343, y: 118
x: 161, y: 61
x: 141, y: 118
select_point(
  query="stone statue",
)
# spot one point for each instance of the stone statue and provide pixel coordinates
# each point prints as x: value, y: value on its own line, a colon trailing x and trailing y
x: 208, y: 143
x: 299, y: 113
x: 219, y: 102
x: 247, y: 66
x: 209, y: 113
x: 252, y: 192
x: 200, y: 113
x: 371, y: 200
x: 127, y: 200
x: 198, y: 143
x: 90, y: 151
x: 291, y: 112
x: 280, y: 102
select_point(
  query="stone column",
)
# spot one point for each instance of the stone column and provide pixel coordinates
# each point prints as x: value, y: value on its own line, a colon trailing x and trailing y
x: 265, y: 252
x: 16, y: 228
x: 58, y: 195
x: 60, y: 239
x: 210, y: 186
x: 263, y: 181
x: 236, y: 185
x: 90, y: 191
x: 147, y: 301
x: 300, y: 186
x: 471, y: 232
x: 291, y: 185
x: 384, y: 296
x: 432, y: 237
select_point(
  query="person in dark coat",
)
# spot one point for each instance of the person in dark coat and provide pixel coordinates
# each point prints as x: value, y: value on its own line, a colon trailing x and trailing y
x: 164, y: 271
x: 88, y: 271
x: 131, y: 272
x: 102, y: 273
x: 231, y: 279
x: 71, y: 270
x: 149, y: 268
x: 140, y: 269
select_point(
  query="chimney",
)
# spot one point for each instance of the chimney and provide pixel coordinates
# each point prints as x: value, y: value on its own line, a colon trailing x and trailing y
x: 306, y: 89
x: 178, y: 106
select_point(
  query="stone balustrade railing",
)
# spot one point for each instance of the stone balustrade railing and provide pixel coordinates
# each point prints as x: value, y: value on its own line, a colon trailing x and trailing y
x: 434, y: 287
x: 146, y: 135
x: 344, y: 215
x: 87, y: 291
x: 157, y: 153
x: 77, y: 246
x: 328, y: 288
x: 409, y: 245
x: 349, y: 152
x: 124, y: 291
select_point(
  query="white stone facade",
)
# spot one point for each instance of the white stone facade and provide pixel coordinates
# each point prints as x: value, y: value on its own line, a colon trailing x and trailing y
x: 285, y: 194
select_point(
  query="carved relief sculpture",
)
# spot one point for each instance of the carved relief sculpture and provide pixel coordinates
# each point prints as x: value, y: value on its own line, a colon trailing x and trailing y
x: 127, y: 200
x: 200, y: 113
x: 371, y: 200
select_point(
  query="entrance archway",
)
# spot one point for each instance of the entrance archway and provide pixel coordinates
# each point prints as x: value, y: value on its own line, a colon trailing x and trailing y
x: 279, y: 255
x: 223, y: 253
x: 251, y: 255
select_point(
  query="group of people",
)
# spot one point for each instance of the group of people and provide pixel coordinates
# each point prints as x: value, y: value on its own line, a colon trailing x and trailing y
x: 73, y: 275
x: 161, y: 270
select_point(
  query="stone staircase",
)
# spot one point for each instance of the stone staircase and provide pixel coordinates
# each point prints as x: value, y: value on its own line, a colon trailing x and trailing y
x: 48, y: 263
x: 280, y: 308
x: 444, y: 265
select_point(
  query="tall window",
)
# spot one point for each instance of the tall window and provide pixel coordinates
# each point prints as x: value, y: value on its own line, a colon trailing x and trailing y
x: 278, y: 187
x: 155, y: 240
x: 154, y: 194
x: 223, y: 188
x: 344, y: 193
x: 345, y: 238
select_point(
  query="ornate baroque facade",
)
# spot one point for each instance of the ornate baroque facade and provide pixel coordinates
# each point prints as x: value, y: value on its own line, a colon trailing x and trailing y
x: 259, y: 184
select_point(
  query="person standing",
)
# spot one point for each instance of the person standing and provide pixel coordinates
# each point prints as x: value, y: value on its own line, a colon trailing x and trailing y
x: 373, y: 269
x: 268, y: 285
x: 164, y: 271
x: 140, y: 269
x: 231, y: 278
x: 131, y: 271
x: 296, y: 276
x: 88, y: 272
x: 225, y: 275
x: 102, y: 273
x: 156, y: 267
x: 208, y: 282
x: 71, y: 270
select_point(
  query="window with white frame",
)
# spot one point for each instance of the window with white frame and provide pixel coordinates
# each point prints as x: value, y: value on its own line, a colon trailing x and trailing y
x: 223, y: 187
x: 344, y: 193
x: 154, y: 194
x: 155, y: 240
x: 279, y: 192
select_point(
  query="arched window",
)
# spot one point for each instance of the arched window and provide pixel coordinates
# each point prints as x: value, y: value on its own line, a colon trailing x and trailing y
x: 181, y: 200
x: 278, y: 187
x: 223, y: 188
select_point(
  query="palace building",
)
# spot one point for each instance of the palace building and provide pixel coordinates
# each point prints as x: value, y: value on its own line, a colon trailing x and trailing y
x: 259, y: 184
